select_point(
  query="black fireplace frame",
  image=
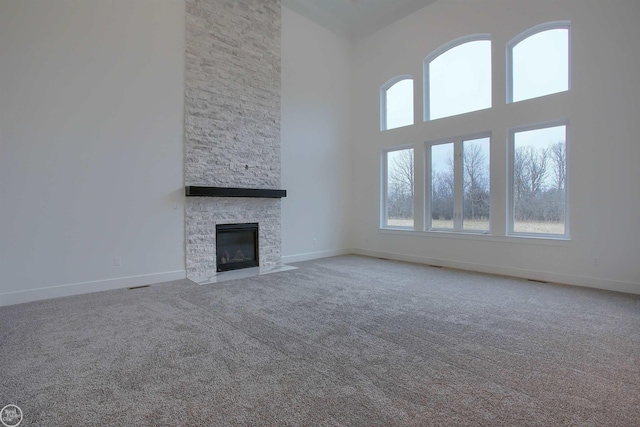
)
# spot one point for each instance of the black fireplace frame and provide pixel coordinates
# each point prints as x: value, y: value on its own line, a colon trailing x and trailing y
x: 227, y: 228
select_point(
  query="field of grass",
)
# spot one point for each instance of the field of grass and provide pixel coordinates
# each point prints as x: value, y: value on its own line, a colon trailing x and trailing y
x: 475, y: 225
x: 539, y: 227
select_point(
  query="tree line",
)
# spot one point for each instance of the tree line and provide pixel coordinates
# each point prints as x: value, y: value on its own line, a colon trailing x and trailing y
x: 540, y: 178
x: 475, y: 185
x: 539, y: 185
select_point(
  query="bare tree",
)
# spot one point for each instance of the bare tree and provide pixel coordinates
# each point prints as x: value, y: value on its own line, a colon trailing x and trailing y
x: 401, y: 181
x: 558, y: 157
x: 529, y: 170
x: 403, y: 170
x: 539, y: 181
x: 476, y: 182
x: 537, y: 162
x: 520, y: 173
x: 442, y: 188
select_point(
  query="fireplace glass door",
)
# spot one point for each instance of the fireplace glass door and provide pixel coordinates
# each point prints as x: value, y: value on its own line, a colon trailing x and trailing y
x: 236, y: 246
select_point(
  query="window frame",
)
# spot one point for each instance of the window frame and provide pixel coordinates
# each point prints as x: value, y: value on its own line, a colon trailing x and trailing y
x: 551, y: 25
x: 383, y: 100
x: 510, y: 179
x: 458, y: 183
x: 426, y: 93
x: 384, y: 169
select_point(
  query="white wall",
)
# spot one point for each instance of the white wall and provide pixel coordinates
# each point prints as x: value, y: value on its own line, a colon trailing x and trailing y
x: 604, y: 139
x: 315, y: 139
x: 91, y: 122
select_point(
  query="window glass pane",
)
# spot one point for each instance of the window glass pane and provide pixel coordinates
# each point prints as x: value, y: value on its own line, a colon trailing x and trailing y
x: 541, y: 64
x: 539, y: 181
x: 475, y: 178
x: 460, y: 80
x: 442, y: 186
x: 399, y: 104
x: 400, y: 188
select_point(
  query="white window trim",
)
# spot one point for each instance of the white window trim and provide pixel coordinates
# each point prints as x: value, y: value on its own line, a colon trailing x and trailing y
x: 510, y: 159
x: 436, y: 53
x: 384, y: 218
x: 519, y: 239
x: 383, y: 98
x: 458, y: 171
x: 553, y: 25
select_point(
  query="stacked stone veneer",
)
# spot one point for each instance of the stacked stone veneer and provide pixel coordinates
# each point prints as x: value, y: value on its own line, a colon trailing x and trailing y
x: 232, y: 123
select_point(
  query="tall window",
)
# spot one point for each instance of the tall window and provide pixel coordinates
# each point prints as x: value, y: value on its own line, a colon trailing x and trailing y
x: 460, y: 186
x: 396, y: 103
x: 399, y: 188
x: 458, y: 77
x: 539, y: 180
x: 538, y: 62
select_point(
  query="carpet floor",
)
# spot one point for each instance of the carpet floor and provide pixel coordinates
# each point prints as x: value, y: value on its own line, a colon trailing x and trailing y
x: 344, y: 341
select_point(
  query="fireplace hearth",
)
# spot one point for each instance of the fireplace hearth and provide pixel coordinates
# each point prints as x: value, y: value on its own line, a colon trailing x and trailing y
x: 236, y: 246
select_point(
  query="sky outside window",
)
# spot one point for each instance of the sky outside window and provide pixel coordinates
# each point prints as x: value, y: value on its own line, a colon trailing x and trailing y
x: 399, y: 104
x: 460, y: 80
x: 540, y: 64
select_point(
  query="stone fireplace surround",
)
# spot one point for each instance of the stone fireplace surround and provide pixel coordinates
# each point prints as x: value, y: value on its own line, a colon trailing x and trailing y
x: 232, y: 125
x: 209, y: 209
x: 202, y: 216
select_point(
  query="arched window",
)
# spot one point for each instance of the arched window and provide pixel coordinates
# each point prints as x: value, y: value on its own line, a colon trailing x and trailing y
x: 457, y: 77
x: 396, y: 103
x: 538, y: 62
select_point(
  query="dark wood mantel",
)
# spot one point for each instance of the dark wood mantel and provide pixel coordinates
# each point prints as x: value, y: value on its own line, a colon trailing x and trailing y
x: 198, y: 191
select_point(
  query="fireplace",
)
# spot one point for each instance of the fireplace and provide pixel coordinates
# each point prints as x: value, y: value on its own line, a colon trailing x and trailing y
x: 236, y: 246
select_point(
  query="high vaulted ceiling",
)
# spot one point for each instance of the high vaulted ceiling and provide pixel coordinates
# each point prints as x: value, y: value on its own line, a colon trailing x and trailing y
x: 355, y: 18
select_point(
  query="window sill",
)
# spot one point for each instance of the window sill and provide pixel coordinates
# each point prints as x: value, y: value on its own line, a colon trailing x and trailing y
x: 479, y: 236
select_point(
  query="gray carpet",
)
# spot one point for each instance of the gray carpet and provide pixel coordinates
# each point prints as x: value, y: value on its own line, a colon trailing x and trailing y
x: 346, y: 341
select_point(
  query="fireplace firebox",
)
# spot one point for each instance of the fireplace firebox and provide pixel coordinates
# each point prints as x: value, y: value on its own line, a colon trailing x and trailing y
x: 236, y: 246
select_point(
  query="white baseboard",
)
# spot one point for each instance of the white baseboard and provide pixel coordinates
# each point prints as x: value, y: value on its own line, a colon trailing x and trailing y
x: 19, y: 297
x: 589, y: 282
x: 315, y: 255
